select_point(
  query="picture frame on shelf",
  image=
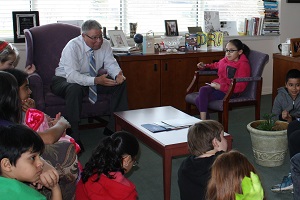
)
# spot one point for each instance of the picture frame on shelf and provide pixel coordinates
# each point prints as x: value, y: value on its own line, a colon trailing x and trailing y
x: 23, y: 20
x: 295, y: 46
x: 171, y: 28
x: 117, y: 38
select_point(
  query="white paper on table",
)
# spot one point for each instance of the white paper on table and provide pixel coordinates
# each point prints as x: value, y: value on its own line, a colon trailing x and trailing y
x: 182, y: 122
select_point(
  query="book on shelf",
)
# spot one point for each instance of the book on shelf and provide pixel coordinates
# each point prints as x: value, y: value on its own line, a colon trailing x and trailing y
x: 254, y: 25
x: 271, y: 18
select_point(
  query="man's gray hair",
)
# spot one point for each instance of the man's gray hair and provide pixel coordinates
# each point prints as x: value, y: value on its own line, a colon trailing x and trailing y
x: 90, y: 24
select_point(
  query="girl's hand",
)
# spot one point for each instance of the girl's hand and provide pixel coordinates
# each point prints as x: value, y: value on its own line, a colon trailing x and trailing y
x: 217, y: 86
x: 63, y: 122
x: 201, y: 65
x: 30, y: 69
x: 28, y: 103
x: 53, y: 121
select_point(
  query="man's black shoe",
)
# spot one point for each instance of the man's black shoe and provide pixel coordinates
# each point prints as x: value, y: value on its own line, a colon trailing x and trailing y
x: 81, y: 146
x: 107, y: 132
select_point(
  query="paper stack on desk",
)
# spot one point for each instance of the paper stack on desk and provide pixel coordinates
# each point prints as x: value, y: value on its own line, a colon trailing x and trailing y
x: 128, y: 50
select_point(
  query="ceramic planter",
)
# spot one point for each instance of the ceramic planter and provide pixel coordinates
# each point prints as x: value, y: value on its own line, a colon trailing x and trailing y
x: 269, y: 147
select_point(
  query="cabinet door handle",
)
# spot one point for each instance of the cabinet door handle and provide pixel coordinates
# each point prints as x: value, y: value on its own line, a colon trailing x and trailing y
x: 166, y: 66
x: 155, y: 67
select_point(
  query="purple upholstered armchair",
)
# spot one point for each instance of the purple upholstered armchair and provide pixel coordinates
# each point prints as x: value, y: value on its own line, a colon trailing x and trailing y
x: 44, y: 45
x: 251, y: 95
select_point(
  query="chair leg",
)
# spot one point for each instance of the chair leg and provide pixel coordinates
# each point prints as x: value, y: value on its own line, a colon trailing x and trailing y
x: 225, y: 120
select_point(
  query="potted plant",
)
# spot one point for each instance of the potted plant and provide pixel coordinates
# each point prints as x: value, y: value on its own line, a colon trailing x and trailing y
x: 269, y: 140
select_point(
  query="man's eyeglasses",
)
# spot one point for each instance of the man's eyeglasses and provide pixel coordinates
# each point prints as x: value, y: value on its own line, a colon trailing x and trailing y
x: 230, y: 51
x: 94, y: 38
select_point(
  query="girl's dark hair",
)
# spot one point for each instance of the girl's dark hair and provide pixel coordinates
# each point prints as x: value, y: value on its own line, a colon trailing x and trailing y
x: 21, y: 76
x: 108, y: 156
x: 240, y: 46
x: 10, y: 105
x: 16, y: 139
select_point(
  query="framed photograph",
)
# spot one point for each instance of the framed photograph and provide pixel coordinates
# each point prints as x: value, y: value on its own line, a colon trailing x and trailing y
x: 171, y: 28
x: 295, y: 46
x: 23, y: 20
x: 118, y: 38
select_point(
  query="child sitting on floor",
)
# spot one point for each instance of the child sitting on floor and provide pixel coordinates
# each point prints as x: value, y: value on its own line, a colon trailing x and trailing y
x: 233, y: 178
x: 61, y: 155
x: 205, y: 141
x: 21, y: 165
x: 287, y: 102
x: 103, y: 176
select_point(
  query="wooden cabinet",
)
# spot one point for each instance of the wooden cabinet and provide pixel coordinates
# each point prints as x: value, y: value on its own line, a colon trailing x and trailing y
x: 176, y: 75
x: 161, y: 79
x: 143, y: 83
x: 281, y: 65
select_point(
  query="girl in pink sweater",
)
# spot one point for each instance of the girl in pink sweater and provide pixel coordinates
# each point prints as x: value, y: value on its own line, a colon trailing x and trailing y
x: 235, y: 64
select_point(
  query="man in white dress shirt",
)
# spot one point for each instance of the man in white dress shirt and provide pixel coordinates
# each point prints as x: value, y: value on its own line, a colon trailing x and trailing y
x: 72, y: 77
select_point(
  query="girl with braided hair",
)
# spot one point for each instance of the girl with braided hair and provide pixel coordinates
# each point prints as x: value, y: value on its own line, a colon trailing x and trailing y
x: 103, y: 175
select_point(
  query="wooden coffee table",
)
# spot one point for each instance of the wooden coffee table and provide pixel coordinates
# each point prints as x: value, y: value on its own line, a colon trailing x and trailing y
x: 168, y: 144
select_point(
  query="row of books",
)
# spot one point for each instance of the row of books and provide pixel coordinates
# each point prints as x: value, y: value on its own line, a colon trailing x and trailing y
x: 253, y: 26
x: 271, y: 18
x: 267, y: 23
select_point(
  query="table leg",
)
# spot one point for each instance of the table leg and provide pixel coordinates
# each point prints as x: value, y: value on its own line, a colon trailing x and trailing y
x: 167, y: 171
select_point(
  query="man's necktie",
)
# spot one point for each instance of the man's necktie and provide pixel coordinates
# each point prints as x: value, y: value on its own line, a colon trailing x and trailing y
x: 92, y: 88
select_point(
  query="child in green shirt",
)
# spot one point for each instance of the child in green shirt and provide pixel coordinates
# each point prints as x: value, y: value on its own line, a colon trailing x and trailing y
x: 21, y: 165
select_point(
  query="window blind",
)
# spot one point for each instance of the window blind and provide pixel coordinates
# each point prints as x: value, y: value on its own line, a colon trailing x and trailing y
x: 149, y: 15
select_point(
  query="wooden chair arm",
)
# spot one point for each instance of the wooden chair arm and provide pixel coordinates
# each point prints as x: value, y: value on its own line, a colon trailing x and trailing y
x: 193, y: 84
x: 230, y: 91
x: 244, y: 79
x: 195, y: 79
x: 248, y: 79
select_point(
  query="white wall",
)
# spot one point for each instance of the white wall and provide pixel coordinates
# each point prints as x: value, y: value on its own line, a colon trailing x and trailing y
x: 289, y: 24
x: 289, y: 28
